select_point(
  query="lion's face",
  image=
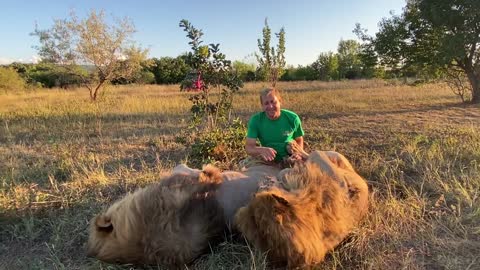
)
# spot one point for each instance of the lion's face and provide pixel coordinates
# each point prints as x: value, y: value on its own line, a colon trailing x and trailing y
x: 307, y: 214
x: 110, y: 239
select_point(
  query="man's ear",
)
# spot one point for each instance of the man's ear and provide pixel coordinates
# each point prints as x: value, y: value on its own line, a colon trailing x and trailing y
x: 103, y: 223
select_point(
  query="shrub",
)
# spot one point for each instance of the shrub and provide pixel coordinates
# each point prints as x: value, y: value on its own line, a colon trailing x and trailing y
x: 219, y: 145
x: 210, y: 73
x: 10, y: 79
x: 50, y: 75
x: 214, y: 135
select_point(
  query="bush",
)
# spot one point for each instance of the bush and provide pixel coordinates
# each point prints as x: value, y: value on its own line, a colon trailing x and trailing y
x: 145, y: 77
x: 220, y: 145
x: 51, y: 75
x: 10, y: 79
x: 214, y: 136
x: 168, y: 70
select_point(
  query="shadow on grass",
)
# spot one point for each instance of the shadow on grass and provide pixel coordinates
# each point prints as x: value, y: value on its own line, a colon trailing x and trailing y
x: 65, y: 128
x: 406, y: 110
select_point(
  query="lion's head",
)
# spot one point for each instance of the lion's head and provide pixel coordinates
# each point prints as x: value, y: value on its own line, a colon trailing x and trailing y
x: 164, y: 223
x: 306, y: 215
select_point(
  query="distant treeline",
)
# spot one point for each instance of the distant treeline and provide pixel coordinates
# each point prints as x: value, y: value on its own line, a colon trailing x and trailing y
x: 349, y: 62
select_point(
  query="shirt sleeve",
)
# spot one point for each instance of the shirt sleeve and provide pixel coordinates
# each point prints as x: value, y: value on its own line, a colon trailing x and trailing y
x: 252, y: 131
x: 298, y: 132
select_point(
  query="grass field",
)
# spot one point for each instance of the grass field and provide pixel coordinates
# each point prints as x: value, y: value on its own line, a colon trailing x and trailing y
x: 63, y: 159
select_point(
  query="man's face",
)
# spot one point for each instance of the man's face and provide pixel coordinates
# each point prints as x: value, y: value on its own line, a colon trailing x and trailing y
x: 271, y: 106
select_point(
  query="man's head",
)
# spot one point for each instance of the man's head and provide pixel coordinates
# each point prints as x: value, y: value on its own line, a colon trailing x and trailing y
x: 271, y: 102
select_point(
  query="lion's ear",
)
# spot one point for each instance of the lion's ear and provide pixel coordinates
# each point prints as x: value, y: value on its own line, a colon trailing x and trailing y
x: 211, y: 174
x: 104, y: 223
x: 280, y: 200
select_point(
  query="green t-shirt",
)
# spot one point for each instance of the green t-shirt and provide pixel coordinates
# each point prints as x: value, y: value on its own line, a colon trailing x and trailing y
x: 275, y: 133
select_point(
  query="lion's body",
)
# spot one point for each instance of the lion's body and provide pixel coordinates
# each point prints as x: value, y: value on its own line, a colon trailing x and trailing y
x: 238, y: 188
x: 173, y: 221
x: 309, y: 212
x: 299, y: 219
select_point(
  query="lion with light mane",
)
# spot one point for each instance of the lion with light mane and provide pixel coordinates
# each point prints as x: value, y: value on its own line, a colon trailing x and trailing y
x: 308, y: 212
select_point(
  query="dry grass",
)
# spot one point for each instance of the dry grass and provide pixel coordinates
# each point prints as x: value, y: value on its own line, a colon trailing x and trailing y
x: 62, y: 159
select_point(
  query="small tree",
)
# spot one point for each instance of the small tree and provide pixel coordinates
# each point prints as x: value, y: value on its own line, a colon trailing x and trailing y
x: 271, y: 61
x: 211, y: 72
x: 215, y: 135
x: 92, y: 42
x: 326, y: 66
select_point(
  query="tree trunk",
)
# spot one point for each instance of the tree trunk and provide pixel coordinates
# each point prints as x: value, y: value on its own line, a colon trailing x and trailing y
x: 475, y: 83
x: 93, y: 96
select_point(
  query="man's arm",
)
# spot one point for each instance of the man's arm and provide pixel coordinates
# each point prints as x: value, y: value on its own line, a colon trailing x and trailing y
x: 265, y: 153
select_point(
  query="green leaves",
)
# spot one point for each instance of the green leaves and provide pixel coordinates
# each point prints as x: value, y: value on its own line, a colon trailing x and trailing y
x: 92, y: 41
x: 214, y: 136
x: 271, y: 61
x: 432, y: 34
x: 210, y: 72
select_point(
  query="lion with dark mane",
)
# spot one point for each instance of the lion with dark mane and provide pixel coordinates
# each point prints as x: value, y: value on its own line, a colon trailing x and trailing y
x: 307, y: 212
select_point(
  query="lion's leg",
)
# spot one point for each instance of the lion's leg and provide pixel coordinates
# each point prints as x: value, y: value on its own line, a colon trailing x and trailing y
x: 209, y: 173
x: 294, y: 148
x: 339, y: 168
x: 339, y: 160
x: 183, y: 169
x: 281, y: 175
x: 323, y: 161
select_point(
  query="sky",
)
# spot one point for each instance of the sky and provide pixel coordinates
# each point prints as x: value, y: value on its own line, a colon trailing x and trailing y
x: 311, y: 26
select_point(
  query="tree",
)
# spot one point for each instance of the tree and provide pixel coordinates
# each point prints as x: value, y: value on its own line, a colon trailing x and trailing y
x: 246, y: 72
x: 433, y: 34
x: 210, y: 71
x: 326, y: 66
x: 271, y: 61
x: 214, y: 134
x: 349, y: 63
x: 368, y: 55
x: 169, y: 70
x: 92, y: 42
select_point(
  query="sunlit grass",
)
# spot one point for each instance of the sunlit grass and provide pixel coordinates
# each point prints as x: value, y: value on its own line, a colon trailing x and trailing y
x: 64, y: 158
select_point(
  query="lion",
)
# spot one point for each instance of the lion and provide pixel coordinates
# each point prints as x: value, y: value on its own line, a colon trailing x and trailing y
x: 175, y: 220
x: 307, y: 212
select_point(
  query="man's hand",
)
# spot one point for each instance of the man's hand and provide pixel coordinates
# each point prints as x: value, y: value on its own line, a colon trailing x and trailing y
x: 267, y: 153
